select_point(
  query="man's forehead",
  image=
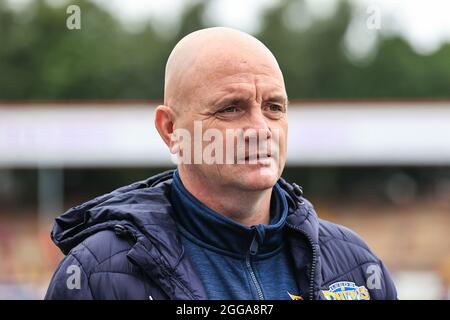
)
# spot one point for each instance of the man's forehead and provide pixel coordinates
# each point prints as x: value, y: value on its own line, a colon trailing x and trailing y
x: 236, y: 68
x: 244, y: 80
x: 246, y: 84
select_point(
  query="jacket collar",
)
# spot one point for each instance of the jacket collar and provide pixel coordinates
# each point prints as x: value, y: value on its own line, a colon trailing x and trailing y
x: 210, y: 229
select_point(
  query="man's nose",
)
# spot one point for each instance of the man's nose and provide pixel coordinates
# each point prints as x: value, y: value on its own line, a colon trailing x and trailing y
x: 257, y: 124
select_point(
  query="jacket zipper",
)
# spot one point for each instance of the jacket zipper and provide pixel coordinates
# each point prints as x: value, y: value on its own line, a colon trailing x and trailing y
x: 314, y: 258
x: 253, y: 276
x: 253, y: 250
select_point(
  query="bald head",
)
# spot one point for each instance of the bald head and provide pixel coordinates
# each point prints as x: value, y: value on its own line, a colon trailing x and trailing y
x: 205, y: 55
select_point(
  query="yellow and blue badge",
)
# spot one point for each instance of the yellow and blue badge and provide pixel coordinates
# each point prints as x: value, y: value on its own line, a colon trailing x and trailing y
x: 295, y: 297
x: 345, y: 290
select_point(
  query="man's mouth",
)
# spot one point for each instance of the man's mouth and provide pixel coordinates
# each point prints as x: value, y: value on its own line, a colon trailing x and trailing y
x: 264, y: 159
x: 257, y: 157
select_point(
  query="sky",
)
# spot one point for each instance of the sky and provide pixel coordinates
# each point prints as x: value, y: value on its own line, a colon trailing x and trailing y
x: 424, y: 23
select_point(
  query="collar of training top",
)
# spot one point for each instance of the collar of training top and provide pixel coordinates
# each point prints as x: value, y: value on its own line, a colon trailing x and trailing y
x: 215, y: 231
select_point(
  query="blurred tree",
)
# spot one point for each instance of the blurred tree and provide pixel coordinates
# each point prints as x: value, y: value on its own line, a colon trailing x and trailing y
x: 316, y: 66
x: 311, y: 58
x: 41, y: 59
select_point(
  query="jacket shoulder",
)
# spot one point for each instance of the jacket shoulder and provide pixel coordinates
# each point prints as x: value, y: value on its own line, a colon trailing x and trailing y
x: 104, y: 251
x: 95, y: 269
x: 340, y: 237
x: 347, y: 257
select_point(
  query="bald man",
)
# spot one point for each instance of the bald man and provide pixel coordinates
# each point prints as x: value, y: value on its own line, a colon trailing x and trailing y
x: 224, y: 224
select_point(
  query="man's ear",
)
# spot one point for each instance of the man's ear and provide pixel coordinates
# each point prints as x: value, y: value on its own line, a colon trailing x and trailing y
x: 164, y: 123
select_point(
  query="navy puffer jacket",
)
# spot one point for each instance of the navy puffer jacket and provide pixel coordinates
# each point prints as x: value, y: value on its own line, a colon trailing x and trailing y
x: 125, y: 245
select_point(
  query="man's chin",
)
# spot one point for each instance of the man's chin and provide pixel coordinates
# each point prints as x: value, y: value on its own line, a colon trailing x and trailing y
x: 257, y: 178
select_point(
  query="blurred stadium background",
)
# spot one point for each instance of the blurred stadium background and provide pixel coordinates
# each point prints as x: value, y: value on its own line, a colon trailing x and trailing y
x: 369, y: 135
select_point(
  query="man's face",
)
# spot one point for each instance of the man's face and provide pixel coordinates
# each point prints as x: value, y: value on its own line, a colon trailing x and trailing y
x: 246, y: 95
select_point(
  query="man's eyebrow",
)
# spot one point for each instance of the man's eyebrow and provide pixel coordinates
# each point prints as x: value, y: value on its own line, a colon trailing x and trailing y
x: 230, y: 99
x: 277, y: 98
x: 235, y: 98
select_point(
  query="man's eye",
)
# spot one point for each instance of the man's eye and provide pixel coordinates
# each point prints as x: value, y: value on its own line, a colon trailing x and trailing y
x: 275, y: 107
x: 230, y: 109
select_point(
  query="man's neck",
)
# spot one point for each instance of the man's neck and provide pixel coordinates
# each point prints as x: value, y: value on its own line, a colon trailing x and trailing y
x: 247, y: 207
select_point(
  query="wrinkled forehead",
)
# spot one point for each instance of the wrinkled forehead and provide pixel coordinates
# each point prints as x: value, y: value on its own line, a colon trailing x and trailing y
x: 227, y: 70
x: 219, y: 64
